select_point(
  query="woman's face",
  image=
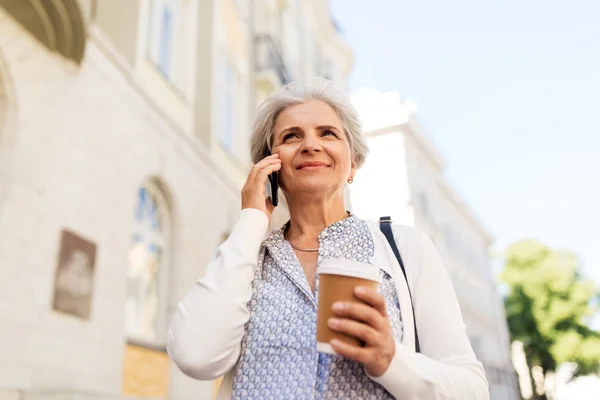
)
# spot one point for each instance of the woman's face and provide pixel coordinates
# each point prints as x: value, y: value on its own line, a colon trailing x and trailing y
x: 313, y: 148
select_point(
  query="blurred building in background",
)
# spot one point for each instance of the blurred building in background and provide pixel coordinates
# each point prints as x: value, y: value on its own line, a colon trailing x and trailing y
x: 124, y: 131
x: 123, y: 146
x: 403, y: 178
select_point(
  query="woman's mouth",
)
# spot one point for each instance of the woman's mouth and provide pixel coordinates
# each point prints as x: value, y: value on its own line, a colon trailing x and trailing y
x: 312, y: 165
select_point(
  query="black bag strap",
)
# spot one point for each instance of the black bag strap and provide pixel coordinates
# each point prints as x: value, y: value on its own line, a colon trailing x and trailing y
x: 385, y: 224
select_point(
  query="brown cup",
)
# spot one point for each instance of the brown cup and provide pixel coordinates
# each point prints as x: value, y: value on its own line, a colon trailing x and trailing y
x: 337, y: 280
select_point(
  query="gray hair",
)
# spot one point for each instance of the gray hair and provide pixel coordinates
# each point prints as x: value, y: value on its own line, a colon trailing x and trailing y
x: 295, y: 93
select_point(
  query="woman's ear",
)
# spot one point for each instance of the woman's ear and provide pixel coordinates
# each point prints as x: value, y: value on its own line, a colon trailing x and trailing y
x: 353, y: 167
x: 351, y: 176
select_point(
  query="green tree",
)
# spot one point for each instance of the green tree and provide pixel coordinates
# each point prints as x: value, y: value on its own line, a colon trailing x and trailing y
x: 549, y: 306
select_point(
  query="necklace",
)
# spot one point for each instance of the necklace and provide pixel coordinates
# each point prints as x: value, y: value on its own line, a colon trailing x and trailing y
x: 301, y: 249
x: 287, y: 226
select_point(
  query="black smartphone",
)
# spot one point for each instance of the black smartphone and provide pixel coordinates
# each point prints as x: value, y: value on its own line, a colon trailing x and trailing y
x: 274, y: 183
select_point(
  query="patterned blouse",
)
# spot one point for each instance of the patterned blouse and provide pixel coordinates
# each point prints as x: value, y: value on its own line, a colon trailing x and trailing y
x: 279, y: 359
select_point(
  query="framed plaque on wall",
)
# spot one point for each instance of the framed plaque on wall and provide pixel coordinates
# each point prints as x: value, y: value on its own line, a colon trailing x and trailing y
x: 74, y: 279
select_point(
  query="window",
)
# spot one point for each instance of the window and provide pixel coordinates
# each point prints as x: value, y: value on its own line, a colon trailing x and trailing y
x: 229, y: 107
x: 166, y: 32
x: 161, y: 42
x: 145, y: 306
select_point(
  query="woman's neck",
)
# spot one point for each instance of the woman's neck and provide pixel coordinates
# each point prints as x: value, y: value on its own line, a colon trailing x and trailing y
x: 308, y: 218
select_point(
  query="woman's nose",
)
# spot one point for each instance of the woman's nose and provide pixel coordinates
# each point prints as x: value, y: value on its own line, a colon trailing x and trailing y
x: 310, y: 144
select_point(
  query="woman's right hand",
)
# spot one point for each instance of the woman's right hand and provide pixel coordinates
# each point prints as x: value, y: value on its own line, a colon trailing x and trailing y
x: 253, y: 192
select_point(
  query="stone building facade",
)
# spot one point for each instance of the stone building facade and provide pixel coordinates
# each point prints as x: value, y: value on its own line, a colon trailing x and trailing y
x: 123, y: 147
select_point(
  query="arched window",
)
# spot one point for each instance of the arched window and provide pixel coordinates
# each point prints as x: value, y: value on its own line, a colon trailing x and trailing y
x: 147, y: 278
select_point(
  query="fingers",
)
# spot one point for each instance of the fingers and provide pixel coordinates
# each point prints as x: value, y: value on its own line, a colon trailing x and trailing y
x: 369, y: 323
x: 265, y: 161
x: 355, y: 353
x: 271, y: 157
x: 253, y: 191
x: 375, y: 360
x: 269, y: 169
x: 355, y: 329
x: 265, y: 167
x: 372, y: 298
x: 359, y: 312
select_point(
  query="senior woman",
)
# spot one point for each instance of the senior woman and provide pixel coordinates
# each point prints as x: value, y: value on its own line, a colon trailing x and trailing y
x: 252, y: 318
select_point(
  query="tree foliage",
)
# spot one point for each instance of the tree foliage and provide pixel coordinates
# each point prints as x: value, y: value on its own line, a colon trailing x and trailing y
x: 549, y: 306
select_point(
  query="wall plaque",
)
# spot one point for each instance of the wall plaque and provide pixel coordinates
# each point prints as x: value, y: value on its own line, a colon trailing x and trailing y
x: 74, y: 279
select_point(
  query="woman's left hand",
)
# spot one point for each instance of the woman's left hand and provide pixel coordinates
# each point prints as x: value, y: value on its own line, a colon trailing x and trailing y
x: 370, y: 323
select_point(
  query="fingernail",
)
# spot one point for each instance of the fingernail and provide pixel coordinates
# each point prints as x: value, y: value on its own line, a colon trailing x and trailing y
x: 338, y: 306
x: 333, y: 322
x: 360, y: 290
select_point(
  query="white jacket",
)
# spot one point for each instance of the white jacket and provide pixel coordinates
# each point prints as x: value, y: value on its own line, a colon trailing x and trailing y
x: 205, y: 335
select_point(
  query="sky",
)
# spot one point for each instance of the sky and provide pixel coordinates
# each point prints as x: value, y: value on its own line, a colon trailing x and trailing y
x: 509, y: 92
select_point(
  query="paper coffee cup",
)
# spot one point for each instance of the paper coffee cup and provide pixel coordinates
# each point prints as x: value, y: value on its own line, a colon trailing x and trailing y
x: 337, y: 280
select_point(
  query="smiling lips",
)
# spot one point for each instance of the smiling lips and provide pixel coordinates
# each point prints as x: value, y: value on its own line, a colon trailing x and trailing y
x: 312, y: 165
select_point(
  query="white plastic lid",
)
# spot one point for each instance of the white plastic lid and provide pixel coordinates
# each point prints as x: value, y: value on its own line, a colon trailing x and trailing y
x: 351, y: 268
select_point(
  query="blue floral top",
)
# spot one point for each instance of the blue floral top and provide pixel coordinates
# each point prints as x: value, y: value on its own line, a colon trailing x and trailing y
x: 278, y: 358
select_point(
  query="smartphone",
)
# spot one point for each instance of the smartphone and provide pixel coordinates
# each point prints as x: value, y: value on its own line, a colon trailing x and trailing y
x: 274, y: 183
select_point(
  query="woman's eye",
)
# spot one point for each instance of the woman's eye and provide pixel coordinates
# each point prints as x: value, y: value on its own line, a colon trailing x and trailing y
x: 328, y: 133
x: 288, y: 136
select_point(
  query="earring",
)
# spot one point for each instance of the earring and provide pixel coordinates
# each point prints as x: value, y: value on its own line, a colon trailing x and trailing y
x: 350, y: 180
